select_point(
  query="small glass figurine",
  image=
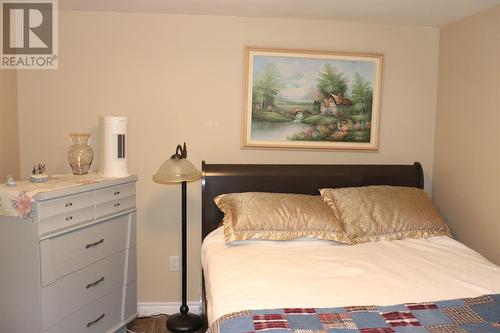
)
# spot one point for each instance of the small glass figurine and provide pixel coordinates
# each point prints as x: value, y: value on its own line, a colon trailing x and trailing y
x: 38, y: 174
x: 10, y: 181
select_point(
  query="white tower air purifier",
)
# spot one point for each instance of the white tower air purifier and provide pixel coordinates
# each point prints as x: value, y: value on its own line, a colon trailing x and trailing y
x: 113, y: 146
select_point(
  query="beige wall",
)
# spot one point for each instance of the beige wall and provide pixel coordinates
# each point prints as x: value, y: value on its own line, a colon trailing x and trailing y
x: 179, y: 78
x: 9, y: 126
x: 466, y: 186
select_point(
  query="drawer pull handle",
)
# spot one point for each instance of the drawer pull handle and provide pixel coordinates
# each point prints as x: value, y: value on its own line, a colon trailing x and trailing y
x: 116, y: 193
x: 69, y: 218
x: 69, y: 204
x: 116, y: 205
x: 100, y: 241
x: 95, y: 321
x: 93, y: 284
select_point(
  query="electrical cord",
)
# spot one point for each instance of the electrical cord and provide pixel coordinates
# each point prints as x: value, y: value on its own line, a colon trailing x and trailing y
x: 130, y: 331
x: 152, y: 315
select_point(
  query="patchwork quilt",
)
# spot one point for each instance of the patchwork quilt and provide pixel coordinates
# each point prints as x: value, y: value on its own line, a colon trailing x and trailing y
x: 467, y: 315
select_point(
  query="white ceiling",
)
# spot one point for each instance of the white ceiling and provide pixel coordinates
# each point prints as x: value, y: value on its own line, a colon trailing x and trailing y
x: 405, y: 12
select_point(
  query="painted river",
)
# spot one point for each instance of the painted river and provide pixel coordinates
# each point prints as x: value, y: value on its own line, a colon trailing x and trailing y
x: 276, y: 131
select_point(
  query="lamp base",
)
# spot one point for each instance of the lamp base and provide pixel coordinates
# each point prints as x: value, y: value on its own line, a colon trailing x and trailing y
x: 184, y: 322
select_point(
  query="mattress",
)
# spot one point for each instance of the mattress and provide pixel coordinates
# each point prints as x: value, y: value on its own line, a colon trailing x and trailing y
x: 251, y: 275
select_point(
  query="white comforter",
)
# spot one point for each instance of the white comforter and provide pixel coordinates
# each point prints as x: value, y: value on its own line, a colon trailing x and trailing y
x: 312, y: 273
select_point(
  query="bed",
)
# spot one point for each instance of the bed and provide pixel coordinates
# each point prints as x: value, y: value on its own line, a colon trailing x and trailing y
x: 434, y: 284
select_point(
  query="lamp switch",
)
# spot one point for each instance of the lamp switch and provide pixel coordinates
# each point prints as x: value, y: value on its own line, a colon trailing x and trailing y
x: 174, y: 263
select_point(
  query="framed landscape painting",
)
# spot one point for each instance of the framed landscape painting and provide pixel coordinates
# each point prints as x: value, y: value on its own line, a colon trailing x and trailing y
x: 311, y: 100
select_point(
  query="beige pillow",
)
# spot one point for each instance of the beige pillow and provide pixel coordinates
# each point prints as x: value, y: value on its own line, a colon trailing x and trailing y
x: 278, y: 216
x: 374, y: 213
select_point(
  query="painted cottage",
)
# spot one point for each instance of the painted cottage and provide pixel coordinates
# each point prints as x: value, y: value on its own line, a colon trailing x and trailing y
x: 334, y: 104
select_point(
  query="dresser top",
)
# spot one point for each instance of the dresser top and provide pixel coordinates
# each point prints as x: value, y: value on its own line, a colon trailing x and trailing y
x: 14, y: 201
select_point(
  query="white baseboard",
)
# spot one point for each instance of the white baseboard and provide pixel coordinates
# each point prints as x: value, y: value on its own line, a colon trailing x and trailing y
x: 153, y: 308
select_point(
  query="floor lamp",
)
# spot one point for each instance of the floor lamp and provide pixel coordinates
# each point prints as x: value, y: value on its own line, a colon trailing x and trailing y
x: 178, y: 169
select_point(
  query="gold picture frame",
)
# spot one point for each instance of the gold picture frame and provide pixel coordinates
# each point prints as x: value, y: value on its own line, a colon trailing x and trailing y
x: 303, y: 99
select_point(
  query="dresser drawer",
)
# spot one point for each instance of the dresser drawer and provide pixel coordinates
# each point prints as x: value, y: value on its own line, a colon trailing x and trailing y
x: 114, y: 193
x: 62, y: 255
x: 65, y: 205
x: 65, y: 220
x: 114, y: 207
x: 97, y: 317
x: 85, y: 286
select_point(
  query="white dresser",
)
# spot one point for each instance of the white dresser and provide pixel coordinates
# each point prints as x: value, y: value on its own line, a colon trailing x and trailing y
x: 69, y: 266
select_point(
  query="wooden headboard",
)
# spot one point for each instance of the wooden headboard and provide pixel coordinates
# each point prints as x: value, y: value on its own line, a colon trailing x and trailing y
x: 293, y: 178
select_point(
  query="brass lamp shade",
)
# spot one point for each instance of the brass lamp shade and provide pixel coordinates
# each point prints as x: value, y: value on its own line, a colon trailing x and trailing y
x: 176, y: 170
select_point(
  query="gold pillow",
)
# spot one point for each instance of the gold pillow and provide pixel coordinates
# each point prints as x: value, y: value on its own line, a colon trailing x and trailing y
x: 278, y: 216
x: 375, y: 213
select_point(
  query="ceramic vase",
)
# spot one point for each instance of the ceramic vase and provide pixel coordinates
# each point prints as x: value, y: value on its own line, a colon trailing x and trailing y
x: 80, y: 154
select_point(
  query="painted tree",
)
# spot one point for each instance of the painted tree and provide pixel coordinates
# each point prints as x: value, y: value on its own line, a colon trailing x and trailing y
x: 332, y: 81
x: 362, y: 94
x: 267, y: 87
x: 315, y: 96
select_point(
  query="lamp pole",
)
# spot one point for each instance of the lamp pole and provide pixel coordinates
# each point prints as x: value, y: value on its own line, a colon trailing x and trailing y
x: 184, y: 308
x: 184, y: 321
